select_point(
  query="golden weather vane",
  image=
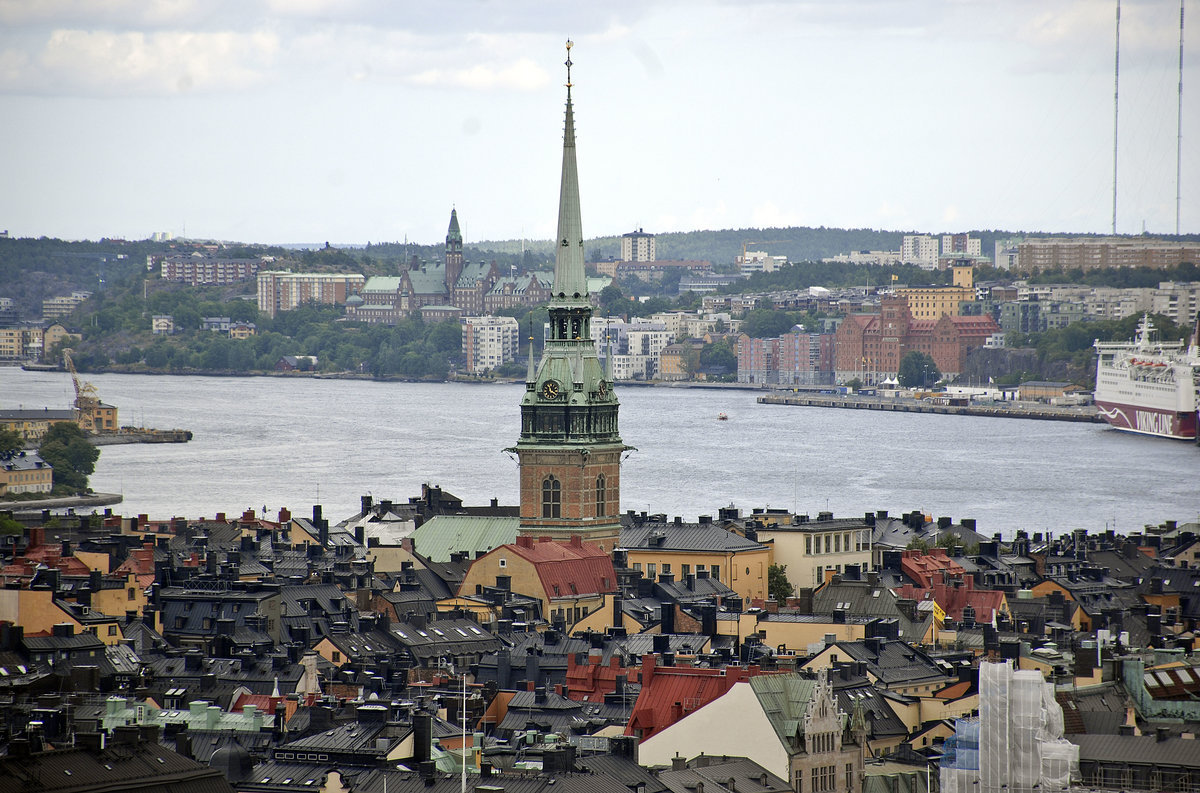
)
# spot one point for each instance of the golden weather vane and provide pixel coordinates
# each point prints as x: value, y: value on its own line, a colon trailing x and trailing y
x: 570, y: 44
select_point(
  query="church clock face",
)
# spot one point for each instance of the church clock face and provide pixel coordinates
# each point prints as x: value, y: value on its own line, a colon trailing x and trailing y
x: 550, y: 390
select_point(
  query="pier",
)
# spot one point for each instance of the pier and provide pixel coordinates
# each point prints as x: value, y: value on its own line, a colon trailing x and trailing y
x: 1010, y: 410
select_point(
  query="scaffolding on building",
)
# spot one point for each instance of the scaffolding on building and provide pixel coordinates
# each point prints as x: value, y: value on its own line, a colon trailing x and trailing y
x: 1016, y: 745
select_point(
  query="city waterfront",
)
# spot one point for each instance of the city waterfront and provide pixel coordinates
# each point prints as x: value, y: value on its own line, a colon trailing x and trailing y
x: 294, y: 442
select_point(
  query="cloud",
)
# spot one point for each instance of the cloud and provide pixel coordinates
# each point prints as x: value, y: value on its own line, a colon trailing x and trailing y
x: 522, y: 75
x: 108, y: 63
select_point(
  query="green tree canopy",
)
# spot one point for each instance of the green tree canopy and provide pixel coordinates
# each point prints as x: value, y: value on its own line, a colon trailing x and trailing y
x: 918, y: 369
x: 10, y: 441
x: 66, y: 448
x: 778, y: 586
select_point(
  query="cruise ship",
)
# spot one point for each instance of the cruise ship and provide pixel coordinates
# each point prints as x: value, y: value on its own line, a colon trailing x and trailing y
x: 1149, y: 386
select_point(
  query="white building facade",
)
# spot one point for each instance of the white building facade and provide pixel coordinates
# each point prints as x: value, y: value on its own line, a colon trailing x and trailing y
x: 488, y: 342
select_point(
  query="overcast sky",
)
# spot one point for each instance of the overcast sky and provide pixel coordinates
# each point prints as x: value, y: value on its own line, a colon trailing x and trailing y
x: 359, y: 120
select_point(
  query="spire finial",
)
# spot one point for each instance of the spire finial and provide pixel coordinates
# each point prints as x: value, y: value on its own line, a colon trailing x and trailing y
x: 570, y: 44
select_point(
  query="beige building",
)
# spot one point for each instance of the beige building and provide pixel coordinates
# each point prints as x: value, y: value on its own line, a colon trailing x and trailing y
x: 1098, y: 253
x: 813, y: 550
x: 283, y: 290
x: 790, y: 726
x: 638, y: 246
x: 25, y: 472
x: 935, y: 302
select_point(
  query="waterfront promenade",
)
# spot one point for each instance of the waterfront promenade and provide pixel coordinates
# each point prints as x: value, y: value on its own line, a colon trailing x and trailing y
x: 1014, y: 410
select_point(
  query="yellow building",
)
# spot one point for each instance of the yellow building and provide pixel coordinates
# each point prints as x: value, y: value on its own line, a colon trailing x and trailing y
x: 935, y: 302
x: 699, y: 549
x: 568, y: 579
x: 813, y: 550
x: 25, y: 472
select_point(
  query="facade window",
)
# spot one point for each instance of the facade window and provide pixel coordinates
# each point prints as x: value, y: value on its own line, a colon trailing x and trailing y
x: 112, y: 630
x: 637, y: 566
x: 808, y: 545
x: 651, y: 570
x: 666, y: 568
x: 601, y: 496
x: 685, y: 569
x: 551, y: 498
x: 337, y: 657
x: 837, y: 543
x: 849, y: 776
x: 827, y: 544
x: 716, y: 573
x: 132, y: 594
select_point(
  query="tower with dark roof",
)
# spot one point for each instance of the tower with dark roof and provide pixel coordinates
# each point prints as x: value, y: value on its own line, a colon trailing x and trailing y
x: 454, y: 253
x: 570, y: 447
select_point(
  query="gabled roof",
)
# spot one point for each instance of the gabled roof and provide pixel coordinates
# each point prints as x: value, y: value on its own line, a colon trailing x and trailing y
x: 894, y: 662
x: 671, y: 692
x: 566, y: 569
x: 442, y: 535
x: 784, y: 699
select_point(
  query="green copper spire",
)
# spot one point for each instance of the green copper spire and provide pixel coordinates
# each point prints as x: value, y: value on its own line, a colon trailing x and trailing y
x: 453, y: 234
x: 570, y: 283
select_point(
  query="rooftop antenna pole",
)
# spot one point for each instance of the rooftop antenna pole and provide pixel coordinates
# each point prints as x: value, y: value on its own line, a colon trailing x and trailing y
x: 1179, y: 130
x: 1116, y: 104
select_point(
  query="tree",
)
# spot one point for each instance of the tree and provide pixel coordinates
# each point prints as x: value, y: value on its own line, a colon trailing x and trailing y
x: 66, y: 448
x: 613, y: 300
x: 778, y: 586
x: 10, y: 441
x: 918, y: 368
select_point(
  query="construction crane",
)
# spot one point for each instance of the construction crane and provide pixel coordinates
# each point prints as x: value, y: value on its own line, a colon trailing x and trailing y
x: 86, y: 399
x: 748, y: 243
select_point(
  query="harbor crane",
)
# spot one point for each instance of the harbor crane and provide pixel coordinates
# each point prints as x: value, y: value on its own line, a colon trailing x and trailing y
x: 86, y: 399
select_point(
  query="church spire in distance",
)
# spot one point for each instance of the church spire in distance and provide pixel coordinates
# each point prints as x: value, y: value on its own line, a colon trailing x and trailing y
x: 569, y: 280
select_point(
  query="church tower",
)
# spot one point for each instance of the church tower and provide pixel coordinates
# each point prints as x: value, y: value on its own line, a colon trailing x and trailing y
x: 570, y: 449
x: 454, y: 254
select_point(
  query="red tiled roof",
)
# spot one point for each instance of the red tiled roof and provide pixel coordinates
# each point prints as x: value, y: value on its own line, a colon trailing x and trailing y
x: 671, y: 692
x: 922, y: 567
x: 567, y: 569
x: 953, y: 597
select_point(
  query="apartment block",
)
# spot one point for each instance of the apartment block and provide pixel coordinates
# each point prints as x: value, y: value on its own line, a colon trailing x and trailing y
x: 283, y: 290
x: 637, y: 246
x: 961, y: 245
x: 488, y: 342
x: 198, y: 270
x: 1101, y: 253
x: 59, y: 307
x: 921, y: 250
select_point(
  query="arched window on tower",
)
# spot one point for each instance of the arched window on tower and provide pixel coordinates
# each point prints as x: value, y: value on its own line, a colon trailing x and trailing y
x: 551, y: 497
x: 601, y: 496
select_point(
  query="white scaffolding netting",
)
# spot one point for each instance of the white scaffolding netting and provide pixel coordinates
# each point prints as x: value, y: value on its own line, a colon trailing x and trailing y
x: 1016, y: 745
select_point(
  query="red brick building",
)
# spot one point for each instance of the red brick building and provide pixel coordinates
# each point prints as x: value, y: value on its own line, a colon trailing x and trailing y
x: 871, y: 346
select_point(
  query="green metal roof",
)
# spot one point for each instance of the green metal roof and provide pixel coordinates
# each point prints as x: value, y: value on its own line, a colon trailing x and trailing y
x: 784, y: 698
x: 382, y: 283
x: 444, y: 534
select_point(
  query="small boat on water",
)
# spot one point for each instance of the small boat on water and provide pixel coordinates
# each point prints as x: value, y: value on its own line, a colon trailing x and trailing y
x: 722, y: 417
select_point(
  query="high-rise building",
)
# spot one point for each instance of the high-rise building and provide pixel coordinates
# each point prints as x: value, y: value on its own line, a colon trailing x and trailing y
x: 488, y: 342
x: 919, y: 249
x: 961, y: 244
x: 637, y: 246
x: 570, y: 448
